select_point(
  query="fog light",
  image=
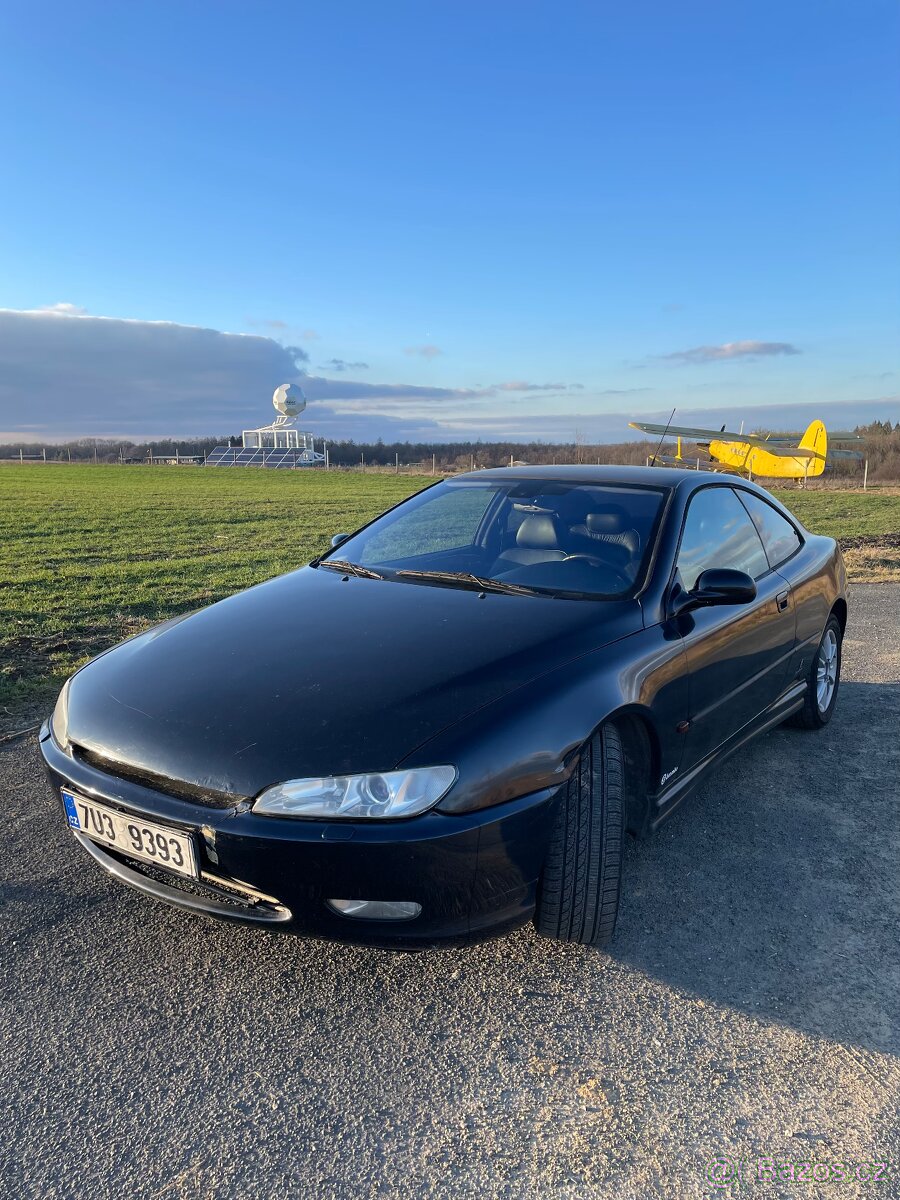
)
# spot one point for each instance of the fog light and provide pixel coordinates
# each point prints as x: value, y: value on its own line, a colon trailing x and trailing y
x: 377, y: 910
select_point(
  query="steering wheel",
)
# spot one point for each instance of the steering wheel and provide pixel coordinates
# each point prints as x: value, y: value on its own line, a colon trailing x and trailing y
x: 588, y: 558
x: 600, y: 562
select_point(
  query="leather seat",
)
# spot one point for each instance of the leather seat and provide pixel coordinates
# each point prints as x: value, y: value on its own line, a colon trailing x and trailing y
x: 537, y: 541
x: 610, y: 528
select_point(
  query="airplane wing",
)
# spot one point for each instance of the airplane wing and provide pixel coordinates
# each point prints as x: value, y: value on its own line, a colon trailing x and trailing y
x: 704, y: 436
x: 784, y: 446
x: 688, y: 463
x: 695, y: 435
x: 833, y: 438
x: 782, y: 451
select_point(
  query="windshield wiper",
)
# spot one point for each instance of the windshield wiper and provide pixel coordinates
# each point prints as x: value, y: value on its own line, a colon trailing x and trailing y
x: 349, y: 568
x: 477, y: 582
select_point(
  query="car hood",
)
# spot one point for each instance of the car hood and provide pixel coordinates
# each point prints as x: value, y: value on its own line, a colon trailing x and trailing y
x: 311, y: 674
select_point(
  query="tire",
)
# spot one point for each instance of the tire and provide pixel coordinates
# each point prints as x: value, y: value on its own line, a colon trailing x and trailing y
x: 578, y: 895
x: 813, y: 715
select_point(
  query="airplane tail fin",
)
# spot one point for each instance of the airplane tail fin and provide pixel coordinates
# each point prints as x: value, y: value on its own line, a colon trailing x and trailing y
x: 815, y: 439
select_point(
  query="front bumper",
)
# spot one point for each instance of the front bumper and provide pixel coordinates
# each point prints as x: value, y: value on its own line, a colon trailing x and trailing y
x: 474, y: 874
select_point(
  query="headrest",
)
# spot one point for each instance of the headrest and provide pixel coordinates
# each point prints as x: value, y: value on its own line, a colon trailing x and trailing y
x: 538, y: 533
x: 611, y: 520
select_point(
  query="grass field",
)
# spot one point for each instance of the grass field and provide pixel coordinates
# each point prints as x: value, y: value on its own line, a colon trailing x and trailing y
x: 89, y: 555
x: 867, y: 524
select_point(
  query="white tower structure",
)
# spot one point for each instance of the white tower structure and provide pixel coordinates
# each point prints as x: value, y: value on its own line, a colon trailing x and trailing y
x: 283, y: 434
x: 280, y: 444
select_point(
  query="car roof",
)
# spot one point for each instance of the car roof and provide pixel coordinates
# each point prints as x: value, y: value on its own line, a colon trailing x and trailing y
x: 660, y: 477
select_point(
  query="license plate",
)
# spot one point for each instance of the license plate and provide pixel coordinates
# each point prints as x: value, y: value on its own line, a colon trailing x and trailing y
x: 130, y: 835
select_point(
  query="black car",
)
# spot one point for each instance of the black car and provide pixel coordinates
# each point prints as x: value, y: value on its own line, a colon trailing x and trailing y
x: 442, y: 728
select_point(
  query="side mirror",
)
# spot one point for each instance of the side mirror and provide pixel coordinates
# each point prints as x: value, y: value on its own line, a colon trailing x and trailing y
x: 721, y: 585
x: 718, y: 585
x: 338, y: 538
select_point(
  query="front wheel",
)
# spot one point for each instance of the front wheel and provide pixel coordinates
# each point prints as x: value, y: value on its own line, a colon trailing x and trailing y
x: 578, y: 896
x: 823, y: 680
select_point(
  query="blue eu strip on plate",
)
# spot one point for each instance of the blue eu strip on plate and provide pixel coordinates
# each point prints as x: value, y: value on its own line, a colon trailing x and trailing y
x: 69, y: 802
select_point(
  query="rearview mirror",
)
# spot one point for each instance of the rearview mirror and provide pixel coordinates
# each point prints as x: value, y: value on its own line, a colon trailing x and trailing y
x: 338, y: 538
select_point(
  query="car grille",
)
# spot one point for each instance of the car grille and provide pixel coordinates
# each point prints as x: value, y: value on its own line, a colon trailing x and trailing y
x: 196, y: 794
x: 194, y: 887
x: 240, y: 897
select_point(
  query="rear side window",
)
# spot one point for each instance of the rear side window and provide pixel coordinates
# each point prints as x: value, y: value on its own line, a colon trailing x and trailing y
x: 719, y: 533
x: 778, y: 535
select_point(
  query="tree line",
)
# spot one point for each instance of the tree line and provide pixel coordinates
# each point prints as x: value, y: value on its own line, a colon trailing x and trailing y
x: 880, y: 445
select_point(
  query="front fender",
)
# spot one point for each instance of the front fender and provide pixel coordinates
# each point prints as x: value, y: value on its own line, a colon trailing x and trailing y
x: 530, y: 738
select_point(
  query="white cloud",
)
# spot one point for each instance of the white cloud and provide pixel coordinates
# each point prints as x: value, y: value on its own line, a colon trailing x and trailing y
x: 66, y: 374
x: 340, y: 365
x: 317, y: 387
x: 268, y: 323
x: 66, y: 310
x: 75, y: 374
x: 731, y: 350
x: 522, y: 385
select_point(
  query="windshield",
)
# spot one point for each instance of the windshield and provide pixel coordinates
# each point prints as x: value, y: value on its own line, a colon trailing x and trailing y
x: 539, y: 536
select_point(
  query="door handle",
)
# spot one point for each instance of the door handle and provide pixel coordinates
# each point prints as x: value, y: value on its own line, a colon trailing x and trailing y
x: 782, y: 600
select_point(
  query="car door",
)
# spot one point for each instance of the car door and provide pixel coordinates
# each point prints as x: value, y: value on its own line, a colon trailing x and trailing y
x: 737, y: 655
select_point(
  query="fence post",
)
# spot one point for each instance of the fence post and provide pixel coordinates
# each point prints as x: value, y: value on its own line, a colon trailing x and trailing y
x: 433, y: 463
x: 865, y: 474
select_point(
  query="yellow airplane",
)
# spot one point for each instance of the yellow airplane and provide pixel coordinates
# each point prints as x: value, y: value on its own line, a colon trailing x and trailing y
x: 773, y: 458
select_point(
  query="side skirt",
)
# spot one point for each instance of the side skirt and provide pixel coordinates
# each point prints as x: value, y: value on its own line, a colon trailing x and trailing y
x: 666, y: 801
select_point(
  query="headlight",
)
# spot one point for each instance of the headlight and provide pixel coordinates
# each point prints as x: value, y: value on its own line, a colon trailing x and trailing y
x: 59, y: 722
x: 351, y: 797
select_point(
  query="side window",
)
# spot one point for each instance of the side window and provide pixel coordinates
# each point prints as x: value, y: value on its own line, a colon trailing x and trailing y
x: 778, y: 535
x: 718, y: 533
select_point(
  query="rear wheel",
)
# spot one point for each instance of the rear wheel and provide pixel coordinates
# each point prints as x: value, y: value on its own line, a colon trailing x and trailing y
x: 823, y: 680
x: 578, y: 897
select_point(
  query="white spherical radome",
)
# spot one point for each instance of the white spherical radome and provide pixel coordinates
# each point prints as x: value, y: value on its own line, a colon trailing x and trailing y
x: 289, y: 400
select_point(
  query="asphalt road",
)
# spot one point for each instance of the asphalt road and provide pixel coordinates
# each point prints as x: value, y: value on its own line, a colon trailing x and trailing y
x: 748, y: 1010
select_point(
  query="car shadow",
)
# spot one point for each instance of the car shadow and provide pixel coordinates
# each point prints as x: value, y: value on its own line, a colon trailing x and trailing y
x: 775, y: 889
x: 772, y: 892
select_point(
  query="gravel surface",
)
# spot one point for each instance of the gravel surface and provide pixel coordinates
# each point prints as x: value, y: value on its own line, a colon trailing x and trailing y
x: 748, y: 1009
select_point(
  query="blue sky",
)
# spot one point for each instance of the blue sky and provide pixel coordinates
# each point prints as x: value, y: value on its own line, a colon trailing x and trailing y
x: 619, y: 207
